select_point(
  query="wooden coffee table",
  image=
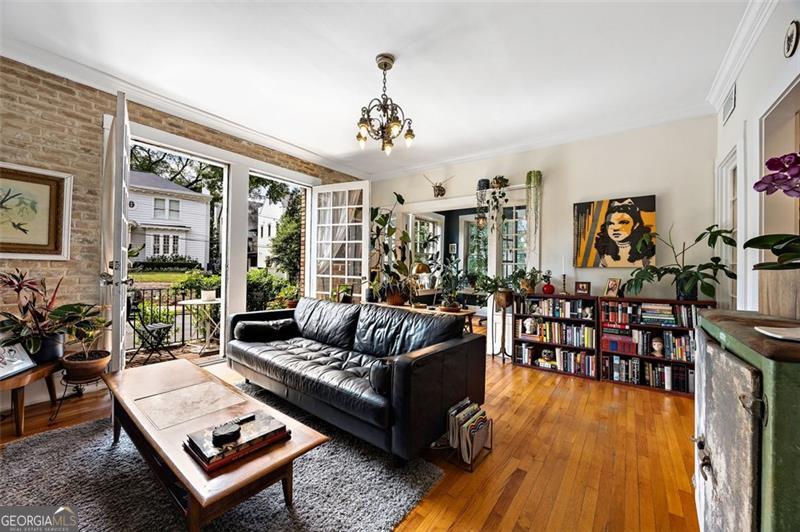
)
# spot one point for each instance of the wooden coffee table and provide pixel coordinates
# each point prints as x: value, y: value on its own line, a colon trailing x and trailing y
x: 159, y: 404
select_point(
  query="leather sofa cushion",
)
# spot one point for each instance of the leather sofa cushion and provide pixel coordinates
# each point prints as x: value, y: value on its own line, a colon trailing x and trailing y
x: 265, y: 331
x: 385, y: 331
x: 326, y: 322
x: 336, y: 376
x: 380, y: 377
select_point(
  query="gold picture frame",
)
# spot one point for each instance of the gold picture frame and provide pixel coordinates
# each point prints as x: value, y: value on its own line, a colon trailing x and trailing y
x: 35, y: 215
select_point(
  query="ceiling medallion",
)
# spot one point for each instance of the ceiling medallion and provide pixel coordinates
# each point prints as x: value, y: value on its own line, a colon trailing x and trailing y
x: 382, y: 119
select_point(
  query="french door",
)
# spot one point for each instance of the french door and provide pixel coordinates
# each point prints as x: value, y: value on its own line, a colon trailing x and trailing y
x: 117, y: 171
x: 339, y: 231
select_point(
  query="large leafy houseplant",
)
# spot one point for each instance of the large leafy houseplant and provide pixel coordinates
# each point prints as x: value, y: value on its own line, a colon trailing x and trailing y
x: 784, y: 176
x: 40, y: 324
x: 85, y: 325
x: 452, y: 277
x: 687, y: 278
x: 389, y: 247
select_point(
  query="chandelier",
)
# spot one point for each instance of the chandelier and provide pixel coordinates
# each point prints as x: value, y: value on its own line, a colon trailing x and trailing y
x: 382, y: 119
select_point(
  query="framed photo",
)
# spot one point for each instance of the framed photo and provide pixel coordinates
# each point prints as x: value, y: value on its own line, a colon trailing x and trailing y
x: 35, y: 211
x: 612, y: 287
x: 583, y: 288
x: 13, y: 360
x: 607, y: 232
x: 452, y: 248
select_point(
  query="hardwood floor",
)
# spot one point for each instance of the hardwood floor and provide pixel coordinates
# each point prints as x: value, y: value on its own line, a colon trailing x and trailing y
x: 569, y: 454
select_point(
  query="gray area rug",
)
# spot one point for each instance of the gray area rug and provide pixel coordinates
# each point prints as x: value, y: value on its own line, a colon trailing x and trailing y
x: 344, y: 484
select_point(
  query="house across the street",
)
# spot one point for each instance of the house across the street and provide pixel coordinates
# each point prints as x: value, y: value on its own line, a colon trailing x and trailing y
x: 167, y: 218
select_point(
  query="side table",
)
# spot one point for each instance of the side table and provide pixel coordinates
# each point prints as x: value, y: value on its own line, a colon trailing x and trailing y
x: 17, y: 383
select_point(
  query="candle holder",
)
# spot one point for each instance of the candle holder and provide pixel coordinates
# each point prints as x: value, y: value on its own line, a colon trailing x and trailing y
x: 564, y: 284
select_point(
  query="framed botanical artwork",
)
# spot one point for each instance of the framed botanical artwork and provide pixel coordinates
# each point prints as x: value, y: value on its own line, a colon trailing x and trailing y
x: 583, y: 288
x: 14, y: 359
x: 612, y: 287
x: 608, y: 232
x: 35, y: 213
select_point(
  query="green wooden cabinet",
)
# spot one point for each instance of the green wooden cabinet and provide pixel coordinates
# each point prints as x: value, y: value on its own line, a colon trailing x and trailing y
x: 779, y: 364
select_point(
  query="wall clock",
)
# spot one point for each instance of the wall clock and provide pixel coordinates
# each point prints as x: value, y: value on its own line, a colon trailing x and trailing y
x: 790, y: 41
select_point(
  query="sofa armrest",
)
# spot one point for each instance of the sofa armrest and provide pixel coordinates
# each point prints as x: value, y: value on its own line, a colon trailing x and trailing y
x: 427, y: 382
x: 256, y: 315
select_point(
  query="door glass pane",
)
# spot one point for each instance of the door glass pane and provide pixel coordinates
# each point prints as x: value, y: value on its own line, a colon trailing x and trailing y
x: 354, y: 197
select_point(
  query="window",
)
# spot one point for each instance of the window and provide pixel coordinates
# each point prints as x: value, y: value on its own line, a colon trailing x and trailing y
x: 166, y: 209
x: 477, y: 249
x: 156, y: 244
x: 514, y: 240
x: 732, y: 205
x: 269, y: 229
x: 426, y: 239
x: 175, y: 244
x: 261, y: 229
x: 340, y: 242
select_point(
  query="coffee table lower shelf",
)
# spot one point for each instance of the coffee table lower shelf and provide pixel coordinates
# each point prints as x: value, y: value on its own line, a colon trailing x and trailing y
x: 196, y: 515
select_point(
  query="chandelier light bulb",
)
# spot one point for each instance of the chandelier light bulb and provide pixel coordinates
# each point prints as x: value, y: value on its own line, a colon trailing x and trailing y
x: 394, y: 127
x: 362, y: 140
x: 409, y: 136
x: 362, y: 127
x: 387, y: 147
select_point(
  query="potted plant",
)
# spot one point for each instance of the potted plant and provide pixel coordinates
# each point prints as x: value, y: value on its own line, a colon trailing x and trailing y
x: 498, y: 200
x: 208, y: 288
x: 547, y: 287
x: 290, y: 295
x: 86, y: 326
x: 38, y: 327
x: 784, y: 176
x: 499, y: 287
x: 527, y: 280
x: 390, y: 277
x: 449, y: 283
x: 687, y: 278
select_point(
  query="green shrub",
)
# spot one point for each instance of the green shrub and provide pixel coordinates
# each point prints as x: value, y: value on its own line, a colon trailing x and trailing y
x: 167, y: 263
x: 197, y: 280
x: 151, y: 313
x: 262, y: 288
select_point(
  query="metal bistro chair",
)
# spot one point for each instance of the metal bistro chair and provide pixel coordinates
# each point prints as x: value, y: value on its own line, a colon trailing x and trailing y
x: 153, y: 336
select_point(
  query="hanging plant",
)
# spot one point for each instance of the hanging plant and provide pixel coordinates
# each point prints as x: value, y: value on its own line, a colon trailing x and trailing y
x: 498, y: 200
x: 533, y: 204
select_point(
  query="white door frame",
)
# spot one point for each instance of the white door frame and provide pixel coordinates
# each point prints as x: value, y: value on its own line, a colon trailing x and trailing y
x: 235, y: 197
x: 311, y: 238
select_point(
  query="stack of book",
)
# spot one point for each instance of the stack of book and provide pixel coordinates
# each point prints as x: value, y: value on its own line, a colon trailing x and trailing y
x: 468, y: 430
x: 259, y: 431
x: 657, y: 314
x: 622, y: 339
x: 560, y: 333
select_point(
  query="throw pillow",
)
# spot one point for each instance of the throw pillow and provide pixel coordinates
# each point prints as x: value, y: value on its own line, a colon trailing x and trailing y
x: 266, y: 331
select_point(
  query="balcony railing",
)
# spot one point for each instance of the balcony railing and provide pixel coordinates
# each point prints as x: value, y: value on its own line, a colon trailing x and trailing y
x: 160, y: 305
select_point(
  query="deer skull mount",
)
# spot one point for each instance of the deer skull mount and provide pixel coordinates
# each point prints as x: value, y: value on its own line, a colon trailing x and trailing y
x: 438, y: 187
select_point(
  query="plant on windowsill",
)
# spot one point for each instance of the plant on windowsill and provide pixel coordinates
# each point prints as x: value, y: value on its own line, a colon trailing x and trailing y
x: 40, y: 325
x: 86, y: 326
x: 687, y: 278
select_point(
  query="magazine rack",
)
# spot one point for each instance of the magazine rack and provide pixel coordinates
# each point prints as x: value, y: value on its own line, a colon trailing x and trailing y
x: 486, y: 433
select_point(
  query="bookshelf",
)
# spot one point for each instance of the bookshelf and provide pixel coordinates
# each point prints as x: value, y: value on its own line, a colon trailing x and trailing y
x: 561, y: 336
x: 627, y: 329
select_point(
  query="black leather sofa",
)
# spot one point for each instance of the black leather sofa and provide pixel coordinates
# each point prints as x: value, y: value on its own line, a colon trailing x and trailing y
x: 386, y: 375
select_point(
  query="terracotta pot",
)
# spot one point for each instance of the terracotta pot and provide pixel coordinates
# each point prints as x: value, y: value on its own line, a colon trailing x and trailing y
x: 78, y: 370
x: 549, y: 289
x: 396, y: 299
x: 503, y: 298
x: 292, y: 303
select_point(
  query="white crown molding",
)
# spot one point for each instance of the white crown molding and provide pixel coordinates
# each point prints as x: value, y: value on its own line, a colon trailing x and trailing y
x: 755, y: 17
x: 81, y: 73
x: 556, y: 139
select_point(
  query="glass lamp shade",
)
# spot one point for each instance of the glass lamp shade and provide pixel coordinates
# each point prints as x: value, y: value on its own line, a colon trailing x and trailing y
x: 419, y: 268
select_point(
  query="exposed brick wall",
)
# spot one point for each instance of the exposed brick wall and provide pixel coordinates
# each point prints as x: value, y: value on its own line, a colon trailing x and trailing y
x: 54, y: 123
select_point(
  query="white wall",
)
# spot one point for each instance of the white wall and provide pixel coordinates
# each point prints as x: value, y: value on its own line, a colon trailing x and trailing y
x: 674, y: 161
x: 764, y: 77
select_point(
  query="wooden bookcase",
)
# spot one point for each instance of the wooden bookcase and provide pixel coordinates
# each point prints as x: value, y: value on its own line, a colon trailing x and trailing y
x: 625, y: 358
x: 560, y: 313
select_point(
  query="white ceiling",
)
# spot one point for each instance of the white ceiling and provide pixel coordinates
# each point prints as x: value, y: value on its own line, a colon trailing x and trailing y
x: 477, y: 79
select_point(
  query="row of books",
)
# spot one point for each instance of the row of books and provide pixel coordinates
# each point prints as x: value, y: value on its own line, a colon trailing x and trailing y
x: 662, y: 344
x: 468, y: 429
x: 576, y: 362
x: 555, y: 308
x: 653, y: 374
x: 661, y: 314
x: 558, y: 333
